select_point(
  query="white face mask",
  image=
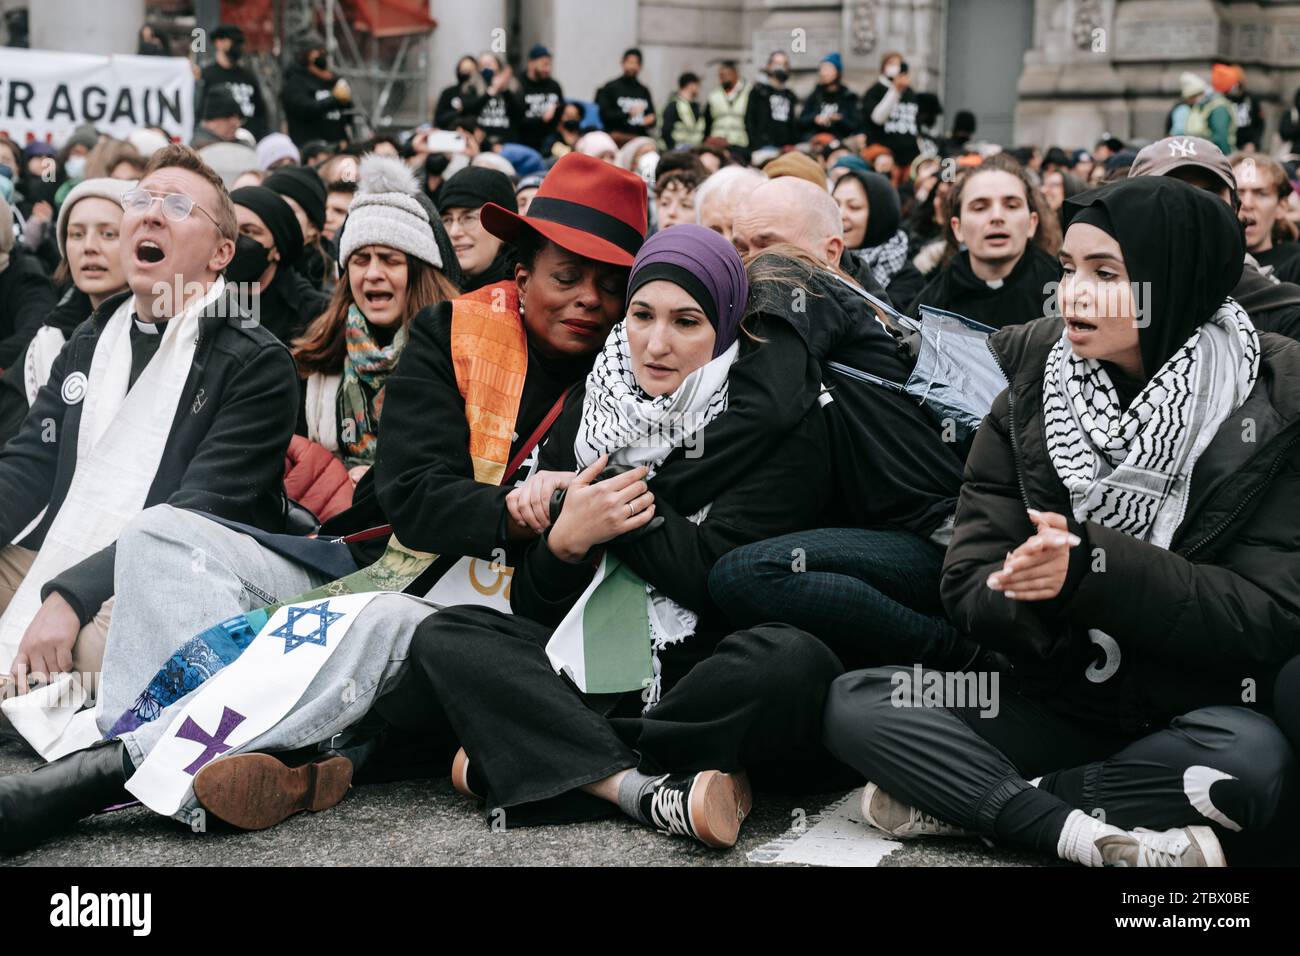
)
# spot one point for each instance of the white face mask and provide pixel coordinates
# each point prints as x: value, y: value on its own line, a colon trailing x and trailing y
x: 75, y: 167
x: 892, y: 70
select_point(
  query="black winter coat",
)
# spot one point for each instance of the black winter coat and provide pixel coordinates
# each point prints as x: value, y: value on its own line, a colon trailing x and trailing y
x: 311, y: 108
x: 784, y: 493
x: 224, y: 455
x: 1020, y: 298
x: 26, y: 297
x: 73, y: 309
x: 1208, y: 621
x: 890, y: 466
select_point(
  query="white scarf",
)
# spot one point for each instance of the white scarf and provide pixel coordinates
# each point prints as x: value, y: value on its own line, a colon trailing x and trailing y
x: 620, y: 420
x: 1131, y: 470
x: 120, y: 441
x: 322, y: 410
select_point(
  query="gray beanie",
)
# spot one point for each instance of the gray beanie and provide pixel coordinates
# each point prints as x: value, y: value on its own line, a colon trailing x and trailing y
x: 102, y: 188
x: 385, y: 212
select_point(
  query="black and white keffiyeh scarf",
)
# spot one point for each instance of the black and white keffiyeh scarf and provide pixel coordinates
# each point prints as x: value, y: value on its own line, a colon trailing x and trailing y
x: 621, y: 420
x: 1131, y: 470
x: 886, y: 259
x: 634, y: 429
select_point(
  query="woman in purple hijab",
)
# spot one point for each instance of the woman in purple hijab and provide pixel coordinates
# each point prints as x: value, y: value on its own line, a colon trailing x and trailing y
x: 616, y: 685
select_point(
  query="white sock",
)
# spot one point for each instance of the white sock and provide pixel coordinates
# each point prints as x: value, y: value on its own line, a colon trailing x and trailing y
x: 1078, y: 838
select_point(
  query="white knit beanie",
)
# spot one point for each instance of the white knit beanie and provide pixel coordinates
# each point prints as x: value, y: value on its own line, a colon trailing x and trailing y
x: 385, y: 212
x: 101, y: 188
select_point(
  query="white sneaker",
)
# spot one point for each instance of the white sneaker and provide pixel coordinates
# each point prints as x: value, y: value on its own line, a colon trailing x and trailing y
x: 901, y: 821
x: 1189, y: 846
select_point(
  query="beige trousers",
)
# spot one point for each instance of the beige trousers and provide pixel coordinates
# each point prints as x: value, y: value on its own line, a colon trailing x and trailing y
x: 88, y: 651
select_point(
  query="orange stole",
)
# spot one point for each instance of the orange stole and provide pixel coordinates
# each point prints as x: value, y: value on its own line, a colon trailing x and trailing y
x: 489, y: 351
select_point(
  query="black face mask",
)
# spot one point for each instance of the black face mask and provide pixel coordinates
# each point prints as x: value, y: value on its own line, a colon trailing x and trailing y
x: 572, y: 125
x: 320, y: 62
x: 235, y: 52
x: 463, y: 77
x: 780, y: 75
x: 249, y: 262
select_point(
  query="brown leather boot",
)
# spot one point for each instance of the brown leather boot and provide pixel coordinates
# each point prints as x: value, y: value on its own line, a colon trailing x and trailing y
x: 255, y: 791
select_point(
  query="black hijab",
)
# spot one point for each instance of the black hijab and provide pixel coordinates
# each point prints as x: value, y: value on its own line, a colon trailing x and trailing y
x: 883, y: 212
x: 1184, y: 241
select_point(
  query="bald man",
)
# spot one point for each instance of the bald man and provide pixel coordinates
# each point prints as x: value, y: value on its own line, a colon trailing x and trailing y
x: 868, y: 584
x: 792, y: 210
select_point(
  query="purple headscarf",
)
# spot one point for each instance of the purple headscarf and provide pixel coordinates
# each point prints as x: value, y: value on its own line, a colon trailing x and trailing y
x: 707, y: 266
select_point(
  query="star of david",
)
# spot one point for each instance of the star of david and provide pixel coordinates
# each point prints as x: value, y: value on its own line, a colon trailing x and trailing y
x: 325, y: 617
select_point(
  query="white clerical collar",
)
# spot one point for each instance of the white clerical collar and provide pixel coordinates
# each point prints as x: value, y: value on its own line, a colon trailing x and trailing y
x: 194, y: 309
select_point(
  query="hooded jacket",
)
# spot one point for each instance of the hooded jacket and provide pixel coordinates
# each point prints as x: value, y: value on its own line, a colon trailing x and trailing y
x: 822, y: 101
x: 73, y: 309
x: 890, y: 466
x: 26, y: 298
x: 1272, y: 306
x: 617, y: 101
x: 883, y: 219
x: 772, y: 117
x: 310, y: 107
x: 1020, y: 298
x: 1139, y: 634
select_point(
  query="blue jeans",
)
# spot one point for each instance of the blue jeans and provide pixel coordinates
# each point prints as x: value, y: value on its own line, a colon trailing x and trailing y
x: 871, y: 596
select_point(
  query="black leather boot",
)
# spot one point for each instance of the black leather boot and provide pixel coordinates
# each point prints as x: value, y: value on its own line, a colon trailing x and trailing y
x: 34, y: 806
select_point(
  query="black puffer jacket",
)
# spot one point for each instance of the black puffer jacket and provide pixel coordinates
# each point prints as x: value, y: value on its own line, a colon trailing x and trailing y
x: 1207, y: 622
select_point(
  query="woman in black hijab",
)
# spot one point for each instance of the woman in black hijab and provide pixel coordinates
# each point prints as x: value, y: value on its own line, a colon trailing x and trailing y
x: 869, y: 210
x: 1127, y: 535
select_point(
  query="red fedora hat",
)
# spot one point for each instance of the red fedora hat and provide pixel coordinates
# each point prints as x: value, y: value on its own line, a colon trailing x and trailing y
x: 584, y: 205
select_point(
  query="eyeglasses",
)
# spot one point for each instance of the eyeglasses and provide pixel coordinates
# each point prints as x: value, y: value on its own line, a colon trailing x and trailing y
x: 469, y: 220
x: 175, y: 206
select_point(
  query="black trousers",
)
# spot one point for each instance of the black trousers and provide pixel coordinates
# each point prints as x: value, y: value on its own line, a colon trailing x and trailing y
x: 1227, y: 767
x: 753, y: 701
x: 1286, y: 701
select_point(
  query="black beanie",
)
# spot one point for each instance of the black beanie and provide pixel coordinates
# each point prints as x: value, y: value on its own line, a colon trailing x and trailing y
x: 277, y: 216
x: 304, y: 187
x: 475, y: 185
x: 220, y: 104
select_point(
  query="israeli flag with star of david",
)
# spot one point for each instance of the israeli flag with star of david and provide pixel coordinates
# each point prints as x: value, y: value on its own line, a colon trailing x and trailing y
x: 246, y: 698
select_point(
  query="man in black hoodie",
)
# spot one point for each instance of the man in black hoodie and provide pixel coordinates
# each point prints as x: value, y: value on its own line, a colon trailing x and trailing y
x: 541, y: 97
x: 1002, y: 277
x: 626, y: 107
x: 890, y: 109
x: 831, y: 107
x: 240, y: 81
x: 314, y: 98
x: 773, y: 114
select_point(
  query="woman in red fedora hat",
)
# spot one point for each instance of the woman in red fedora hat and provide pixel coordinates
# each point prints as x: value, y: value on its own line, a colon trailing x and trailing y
x: 481, y: 380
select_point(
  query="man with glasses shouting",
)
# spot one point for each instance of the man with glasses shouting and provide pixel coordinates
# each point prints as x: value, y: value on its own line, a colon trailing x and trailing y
x: 170, y: 392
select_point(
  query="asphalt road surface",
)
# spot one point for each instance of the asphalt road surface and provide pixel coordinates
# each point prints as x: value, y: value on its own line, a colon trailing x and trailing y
x: 425, y: 822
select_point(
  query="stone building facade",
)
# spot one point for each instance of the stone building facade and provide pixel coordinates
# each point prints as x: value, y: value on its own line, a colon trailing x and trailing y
x: 1033, y: 71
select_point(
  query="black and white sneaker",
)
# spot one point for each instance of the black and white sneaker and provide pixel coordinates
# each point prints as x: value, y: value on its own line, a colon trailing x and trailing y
x: 709, y: 806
